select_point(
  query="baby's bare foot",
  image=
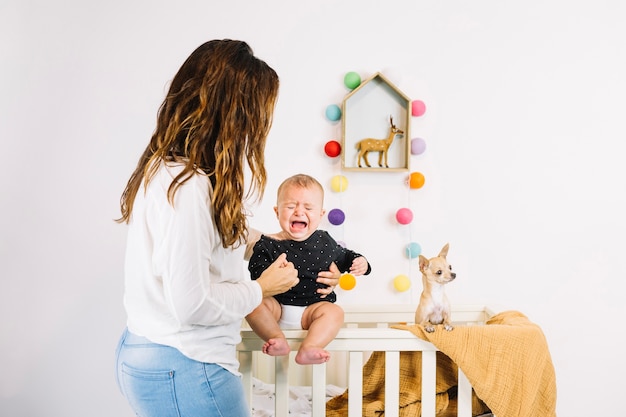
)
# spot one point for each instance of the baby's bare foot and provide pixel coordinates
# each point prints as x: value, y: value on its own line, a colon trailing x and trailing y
x: 311, y: 356
x: 276, y: 347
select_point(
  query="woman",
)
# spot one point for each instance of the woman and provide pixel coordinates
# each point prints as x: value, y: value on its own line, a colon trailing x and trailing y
x: 185, y: 288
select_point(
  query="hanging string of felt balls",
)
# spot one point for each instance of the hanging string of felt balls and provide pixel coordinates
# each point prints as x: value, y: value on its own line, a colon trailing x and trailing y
x: 404, y: 216
x: 336, y: 217
x: 339, y: 184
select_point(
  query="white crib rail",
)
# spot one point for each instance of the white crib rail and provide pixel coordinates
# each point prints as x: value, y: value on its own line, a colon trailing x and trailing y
x: 359, y: 341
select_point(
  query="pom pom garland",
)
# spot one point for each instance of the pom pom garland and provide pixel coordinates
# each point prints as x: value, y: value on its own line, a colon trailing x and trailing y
x: 339, y: 184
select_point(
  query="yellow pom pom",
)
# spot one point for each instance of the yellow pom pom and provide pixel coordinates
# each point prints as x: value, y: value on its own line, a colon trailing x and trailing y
x: 339, y: 183
x: 401, y: 283
x: 347, y: 282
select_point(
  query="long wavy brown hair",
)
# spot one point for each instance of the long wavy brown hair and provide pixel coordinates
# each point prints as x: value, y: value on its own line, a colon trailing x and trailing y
x: 217, y: 115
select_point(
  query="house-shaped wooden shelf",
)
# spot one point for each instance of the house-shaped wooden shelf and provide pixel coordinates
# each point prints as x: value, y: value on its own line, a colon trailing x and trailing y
x: 366, y: 114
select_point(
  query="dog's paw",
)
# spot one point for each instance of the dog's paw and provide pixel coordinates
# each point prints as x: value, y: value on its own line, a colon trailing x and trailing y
x: 429, y: 329
x: 448, y: 327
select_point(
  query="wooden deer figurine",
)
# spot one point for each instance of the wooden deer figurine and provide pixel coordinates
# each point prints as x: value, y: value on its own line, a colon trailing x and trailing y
x: 381, y: 146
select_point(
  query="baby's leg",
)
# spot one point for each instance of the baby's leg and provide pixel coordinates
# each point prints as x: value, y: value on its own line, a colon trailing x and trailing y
x: 264, y: 321
x: 322, y: 320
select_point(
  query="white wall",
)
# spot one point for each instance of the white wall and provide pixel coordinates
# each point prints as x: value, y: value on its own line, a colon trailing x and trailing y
x: 524, y: 167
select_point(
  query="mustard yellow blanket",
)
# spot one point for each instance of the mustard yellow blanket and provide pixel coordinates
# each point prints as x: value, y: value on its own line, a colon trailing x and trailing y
x: 507, y: 362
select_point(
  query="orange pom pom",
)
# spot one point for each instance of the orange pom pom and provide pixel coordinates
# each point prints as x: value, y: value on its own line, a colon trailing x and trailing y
x: 416, y: 180
x: 347, y: 282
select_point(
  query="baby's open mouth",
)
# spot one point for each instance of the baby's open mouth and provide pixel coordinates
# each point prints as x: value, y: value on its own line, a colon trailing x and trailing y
x: 298, y: 225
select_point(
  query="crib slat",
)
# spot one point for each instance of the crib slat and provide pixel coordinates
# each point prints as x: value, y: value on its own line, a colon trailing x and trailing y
x: 464, y: 398
x: 355, y: 384
x: 392, y: 384
x: 318, y: 400
x: 282, y: 386
x: 429, y: 379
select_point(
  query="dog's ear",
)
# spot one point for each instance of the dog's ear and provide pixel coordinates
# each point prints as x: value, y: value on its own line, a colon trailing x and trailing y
x: 444, y: 251
x: 423, y: 262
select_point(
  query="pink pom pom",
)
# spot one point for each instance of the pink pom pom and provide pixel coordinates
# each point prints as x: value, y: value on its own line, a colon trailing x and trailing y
x: 418, y: 108
x: 404, y: 216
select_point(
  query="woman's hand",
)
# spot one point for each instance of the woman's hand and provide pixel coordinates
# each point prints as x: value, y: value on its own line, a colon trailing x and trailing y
x: 330, y: 278
x: 278, y: 277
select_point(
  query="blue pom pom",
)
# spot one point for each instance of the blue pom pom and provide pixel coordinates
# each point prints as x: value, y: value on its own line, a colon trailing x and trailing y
x: 333, y: 112
x: 413, y: 250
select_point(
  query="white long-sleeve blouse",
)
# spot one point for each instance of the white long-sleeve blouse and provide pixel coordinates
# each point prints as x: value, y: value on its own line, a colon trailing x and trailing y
x: 182, y: 288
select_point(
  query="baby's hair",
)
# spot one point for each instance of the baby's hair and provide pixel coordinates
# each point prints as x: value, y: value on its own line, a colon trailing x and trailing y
x: 300, y: 180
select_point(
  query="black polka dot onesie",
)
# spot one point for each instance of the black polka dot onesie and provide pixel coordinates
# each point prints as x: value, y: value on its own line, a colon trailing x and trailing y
x: 310, y: 257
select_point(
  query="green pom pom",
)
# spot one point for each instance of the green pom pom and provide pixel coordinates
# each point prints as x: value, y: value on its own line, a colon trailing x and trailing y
x: 352, y: 80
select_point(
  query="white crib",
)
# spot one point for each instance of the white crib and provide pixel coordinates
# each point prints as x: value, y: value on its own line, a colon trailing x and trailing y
x: 367, y: 329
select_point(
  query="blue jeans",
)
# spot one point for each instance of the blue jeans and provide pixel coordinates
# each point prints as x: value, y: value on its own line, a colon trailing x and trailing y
x: 159, y: 381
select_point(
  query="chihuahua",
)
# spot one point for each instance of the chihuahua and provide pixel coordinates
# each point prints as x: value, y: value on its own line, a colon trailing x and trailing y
x: 434, y: 307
